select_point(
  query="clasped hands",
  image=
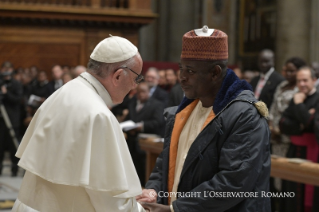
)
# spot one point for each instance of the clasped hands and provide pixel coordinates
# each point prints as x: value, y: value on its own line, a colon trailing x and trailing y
x: 148, y: 200
x: 300, y: 98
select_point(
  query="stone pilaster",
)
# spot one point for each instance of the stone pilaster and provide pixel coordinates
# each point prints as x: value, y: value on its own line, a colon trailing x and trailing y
x: 314, y: 31
x: 293, y: 24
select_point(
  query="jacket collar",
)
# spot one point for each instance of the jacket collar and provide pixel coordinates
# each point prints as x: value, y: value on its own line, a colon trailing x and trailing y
x: 231, y: 87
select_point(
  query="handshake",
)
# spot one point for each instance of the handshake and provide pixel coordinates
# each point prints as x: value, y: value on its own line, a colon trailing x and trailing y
x: 148, y: 200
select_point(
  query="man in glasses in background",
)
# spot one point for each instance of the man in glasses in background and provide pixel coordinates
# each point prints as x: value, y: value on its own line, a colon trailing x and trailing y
x: 74, y: 152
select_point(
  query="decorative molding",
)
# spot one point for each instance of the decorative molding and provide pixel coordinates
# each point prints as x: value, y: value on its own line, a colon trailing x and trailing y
x: 76, y: 13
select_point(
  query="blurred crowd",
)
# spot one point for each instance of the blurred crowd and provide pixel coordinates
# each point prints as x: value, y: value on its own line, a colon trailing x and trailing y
x: 292, y: 98
x: 22, y: 91
x: 290, y: 95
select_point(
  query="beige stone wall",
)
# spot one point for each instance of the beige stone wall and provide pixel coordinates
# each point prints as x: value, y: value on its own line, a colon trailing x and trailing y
x: 314, y: 31
x: 224, y: 20
x: 293, y: 30
x: 297, y: 29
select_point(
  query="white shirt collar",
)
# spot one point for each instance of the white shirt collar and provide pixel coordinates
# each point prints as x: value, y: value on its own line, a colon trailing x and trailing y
x: 102, y: 92
x: 152, y: 90
x: 312, y: 91
x: 267, y: 75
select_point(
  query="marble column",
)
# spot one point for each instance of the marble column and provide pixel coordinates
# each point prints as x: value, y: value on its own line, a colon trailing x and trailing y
x: 223, y: 18
x: 162, y: 40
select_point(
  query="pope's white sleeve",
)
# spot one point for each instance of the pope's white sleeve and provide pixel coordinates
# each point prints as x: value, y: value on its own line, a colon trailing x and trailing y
x: 104, y: 202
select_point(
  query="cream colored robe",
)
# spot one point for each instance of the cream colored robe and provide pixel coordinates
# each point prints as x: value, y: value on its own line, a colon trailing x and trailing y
x: 75, y: 155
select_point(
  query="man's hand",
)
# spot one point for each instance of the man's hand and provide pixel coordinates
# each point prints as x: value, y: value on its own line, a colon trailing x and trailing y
x: 299, y: 98
x: 148, y: 195
x: 140, y: 127
x: 154, y: 207
x: 4, y: 89
x: 312, y: 111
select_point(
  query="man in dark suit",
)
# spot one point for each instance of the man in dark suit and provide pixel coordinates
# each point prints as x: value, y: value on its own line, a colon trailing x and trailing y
x: 11, y: 95
x: 265, y: 84
x: 264, y: 87
x: 147, y: 112
x: 152, y: 77
x: 41, y: 88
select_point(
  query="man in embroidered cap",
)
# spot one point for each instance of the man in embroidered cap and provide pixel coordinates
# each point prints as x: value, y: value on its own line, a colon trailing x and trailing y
x: 217, y: 139
x: 74, y: 152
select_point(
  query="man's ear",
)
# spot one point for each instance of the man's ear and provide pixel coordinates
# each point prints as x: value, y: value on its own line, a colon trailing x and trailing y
x: 117, y: 77
x: 217, y: 71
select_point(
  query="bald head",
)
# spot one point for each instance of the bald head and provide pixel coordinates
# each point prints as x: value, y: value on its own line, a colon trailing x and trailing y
x: 265, y: 60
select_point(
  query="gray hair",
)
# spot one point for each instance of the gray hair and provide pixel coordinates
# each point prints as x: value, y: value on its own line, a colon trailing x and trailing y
x: 154, y: 70
x: 102, y: 70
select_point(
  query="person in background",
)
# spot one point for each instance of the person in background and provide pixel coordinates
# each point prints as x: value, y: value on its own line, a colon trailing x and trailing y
x: 66, y: 77
x: 266, y: 83
x: 283, y: 95
x: 42, y: 88
x: 147, y: 112
x: 177, y: 94
x: 238, y: 73
x: 152, y: 77
x: 162, y: 79
x: 34, y: 75
x: 248, y: 75
x: 17, y: 76
x: 10, y: 97
x: 27, y: 88
x: 297, y: 122
x: 66, y: 69
x: 78, y: 70
x: 57, y: 82
x: 171, y: 79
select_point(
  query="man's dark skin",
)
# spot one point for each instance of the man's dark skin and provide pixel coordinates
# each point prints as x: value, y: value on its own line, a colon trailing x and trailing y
x: 265, y: 61
x: 199, y: 80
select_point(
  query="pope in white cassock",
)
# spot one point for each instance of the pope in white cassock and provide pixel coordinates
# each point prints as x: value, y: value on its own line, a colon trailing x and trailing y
x: 74, y: 152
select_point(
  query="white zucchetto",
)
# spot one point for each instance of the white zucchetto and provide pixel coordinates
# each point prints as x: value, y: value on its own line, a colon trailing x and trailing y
x: 113, y: 49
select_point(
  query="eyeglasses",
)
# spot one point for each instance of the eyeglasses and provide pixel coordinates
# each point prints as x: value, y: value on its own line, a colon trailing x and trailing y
x: 139, y: 77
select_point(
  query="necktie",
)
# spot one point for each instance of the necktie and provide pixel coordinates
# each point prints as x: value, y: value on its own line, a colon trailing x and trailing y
x: 260, y: 86
x: 139, y: 107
